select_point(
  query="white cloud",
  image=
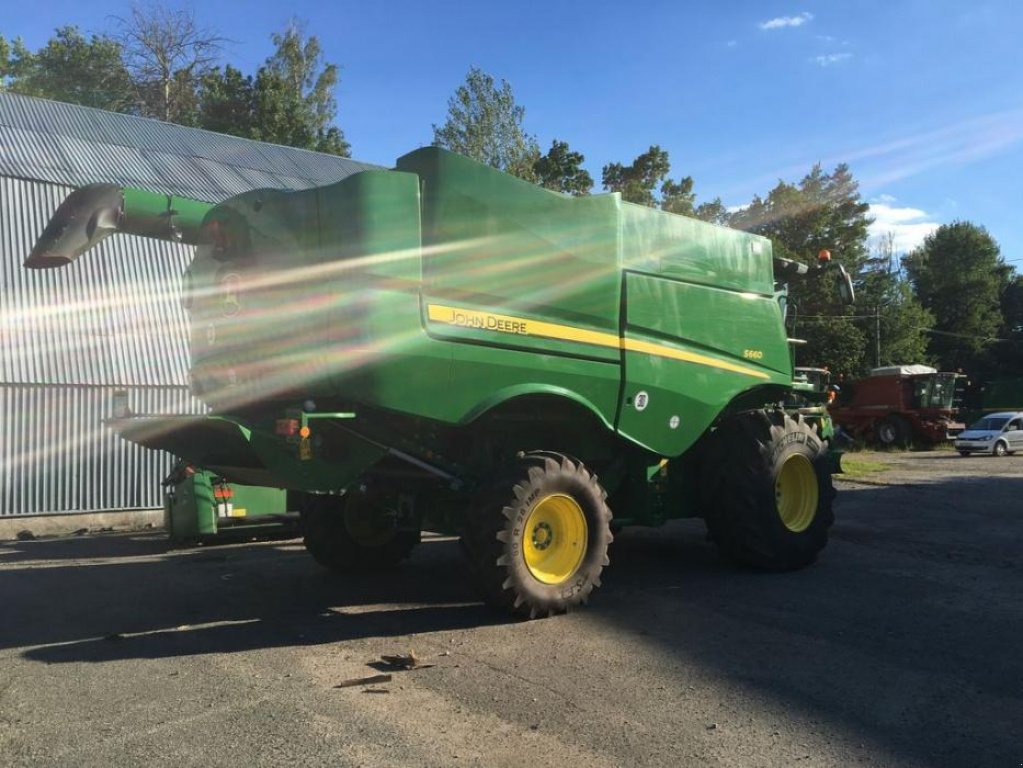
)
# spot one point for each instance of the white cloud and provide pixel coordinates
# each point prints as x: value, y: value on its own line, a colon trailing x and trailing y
x: 787, y: 21
x: 832, y: 58
x: 908, y: 226
x: 731, y: 43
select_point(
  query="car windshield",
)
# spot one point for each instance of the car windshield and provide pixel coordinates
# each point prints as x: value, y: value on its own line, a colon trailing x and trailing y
x: 990, y: 422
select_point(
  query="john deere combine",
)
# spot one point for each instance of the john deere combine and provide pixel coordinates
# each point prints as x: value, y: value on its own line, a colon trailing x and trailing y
x: 445, y: 347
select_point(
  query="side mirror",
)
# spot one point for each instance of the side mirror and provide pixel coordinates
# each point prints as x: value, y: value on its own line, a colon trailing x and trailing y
x: 845, y: 286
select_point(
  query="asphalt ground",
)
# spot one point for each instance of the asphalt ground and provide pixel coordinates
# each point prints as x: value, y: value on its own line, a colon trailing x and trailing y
x: 900, y: 647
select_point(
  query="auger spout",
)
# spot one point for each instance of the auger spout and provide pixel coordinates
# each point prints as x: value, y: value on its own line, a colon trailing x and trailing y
x: 96, y: 211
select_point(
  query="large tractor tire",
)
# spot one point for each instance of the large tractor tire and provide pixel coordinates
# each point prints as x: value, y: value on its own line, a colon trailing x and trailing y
x: 352, y: 533
x: 537, y: 540
x: 767, y: 490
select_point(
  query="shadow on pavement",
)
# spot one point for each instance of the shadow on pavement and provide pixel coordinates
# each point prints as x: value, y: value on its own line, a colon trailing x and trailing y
x: 905, y: 633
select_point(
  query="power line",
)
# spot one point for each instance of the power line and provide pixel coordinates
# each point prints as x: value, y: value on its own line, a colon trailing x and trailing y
x: 917, y: 328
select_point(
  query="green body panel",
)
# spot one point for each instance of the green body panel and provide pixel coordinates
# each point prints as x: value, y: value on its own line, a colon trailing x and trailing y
x: 446, y: 289
x: 742, y: 328
x: 496, y: 242
x: 694, y: 251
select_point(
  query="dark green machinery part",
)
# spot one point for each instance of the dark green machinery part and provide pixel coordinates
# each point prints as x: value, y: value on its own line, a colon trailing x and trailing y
x: 251, y: 452
x: 94, y: 212
x: 199, y: 505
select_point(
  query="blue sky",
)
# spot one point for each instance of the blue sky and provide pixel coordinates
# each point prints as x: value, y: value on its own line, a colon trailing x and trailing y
x: 922, y: 98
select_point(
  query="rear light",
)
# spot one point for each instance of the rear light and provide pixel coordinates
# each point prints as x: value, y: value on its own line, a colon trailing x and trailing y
x: 223, y: 492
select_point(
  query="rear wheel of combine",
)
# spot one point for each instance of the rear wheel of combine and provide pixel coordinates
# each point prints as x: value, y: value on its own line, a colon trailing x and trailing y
x: 538, y: 539
x: 767, y: 491
x: 351, y: 533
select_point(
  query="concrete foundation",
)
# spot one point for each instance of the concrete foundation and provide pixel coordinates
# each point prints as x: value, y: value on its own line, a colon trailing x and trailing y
x: 65, y: 525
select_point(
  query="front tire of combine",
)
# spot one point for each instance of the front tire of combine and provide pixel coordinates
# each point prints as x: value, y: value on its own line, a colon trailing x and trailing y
x: 537, y: 540
x: 768, y: 492
x: 348, y: 534
x: 894, y: 432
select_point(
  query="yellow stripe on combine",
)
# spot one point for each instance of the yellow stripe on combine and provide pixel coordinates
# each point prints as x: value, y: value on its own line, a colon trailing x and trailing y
x: 521, y: 326
x: 634, y: 345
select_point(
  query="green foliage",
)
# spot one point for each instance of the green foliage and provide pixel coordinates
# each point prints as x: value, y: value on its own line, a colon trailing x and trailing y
x: 638, y: 183
x: 296, y: 89
x: 898, y: 332
x: 824, y: 211
x: 561, y: 170
x: 958, y: 274
x: 485, y: 123
x: 163, y: 66
x: 227, y: 102
x: 167, y: 54
x: 69, y: 68
x: 837, y: 343
x: 5, y: 62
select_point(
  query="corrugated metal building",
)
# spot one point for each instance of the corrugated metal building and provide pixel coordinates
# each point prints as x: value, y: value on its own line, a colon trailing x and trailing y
x: 70, y: 338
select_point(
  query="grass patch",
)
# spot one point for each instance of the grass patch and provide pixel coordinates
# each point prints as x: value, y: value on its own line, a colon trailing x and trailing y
x: 856, y: 467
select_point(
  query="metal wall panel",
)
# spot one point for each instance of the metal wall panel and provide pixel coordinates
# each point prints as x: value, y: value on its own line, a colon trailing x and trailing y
x: 57, y: 457
x: 43, y: 140
x: 113, y: 317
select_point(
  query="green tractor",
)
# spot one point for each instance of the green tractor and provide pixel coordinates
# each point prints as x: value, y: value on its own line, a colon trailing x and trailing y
x: 444, y: 347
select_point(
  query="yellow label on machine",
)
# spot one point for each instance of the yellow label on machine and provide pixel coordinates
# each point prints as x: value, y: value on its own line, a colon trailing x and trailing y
x: 520, y: 326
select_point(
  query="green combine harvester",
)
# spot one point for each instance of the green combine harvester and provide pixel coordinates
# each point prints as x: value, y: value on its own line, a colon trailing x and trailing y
x: 445, y: 347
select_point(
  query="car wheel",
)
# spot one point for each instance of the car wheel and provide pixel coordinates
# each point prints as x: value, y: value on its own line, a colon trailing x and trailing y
x: 964, y: 453
x: 1000, y: 449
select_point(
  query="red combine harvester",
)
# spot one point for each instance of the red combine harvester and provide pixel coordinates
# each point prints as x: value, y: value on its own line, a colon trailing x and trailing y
x: 900, y: 404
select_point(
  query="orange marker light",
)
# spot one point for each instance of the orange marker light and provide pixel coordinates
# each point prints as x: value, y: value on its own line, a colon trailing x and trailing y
x: 824, y: 255
x: 304, y: 432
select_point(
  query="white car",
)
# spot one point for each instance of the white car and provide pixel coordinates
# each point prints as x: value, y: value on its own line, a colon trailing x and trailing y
x: 996, y: 433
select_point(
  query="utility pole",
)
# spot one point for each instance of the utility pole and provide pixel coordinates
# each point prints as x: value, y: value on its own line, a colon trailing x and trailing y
x: 877, y: 335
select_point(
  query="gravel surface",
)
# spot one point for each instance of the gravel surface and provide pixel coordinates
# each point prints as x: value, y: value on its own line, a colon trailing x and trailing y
x: 900, y: 647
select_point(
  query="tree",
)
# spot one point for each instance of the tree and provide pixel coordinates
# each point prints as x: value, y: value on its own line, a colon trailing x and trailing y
x: 69, y: 68
x: 167, y: 54
x: 836, y: 343
x: 898, y: 331
x: 958, y: 274
x: 561, y: 170
x: 297, y: 87
x: 485, y: 123
x: 227, y: 102
x: 290, y: 101
x: 1009, y: 354
x: 824, y: 211
x: 638, y: 183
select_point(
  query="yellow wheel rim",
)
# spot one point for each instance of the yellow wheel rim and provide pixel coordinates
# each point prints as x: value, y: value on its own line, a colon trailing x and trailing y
x: 796, y: 493
x: 367, y: 524
x: 554, y: 539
